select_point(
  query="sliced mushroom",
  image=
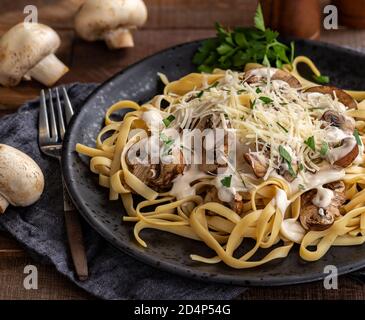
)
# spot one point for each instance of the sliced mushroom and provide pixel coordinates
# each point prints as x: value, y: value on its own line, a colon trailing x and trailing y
x: 317, y: 219
x: 342, y: 96
x: 21, y: 179
x: 237, y: 204
x: 344, y: 155
x: 158, y: 176
x: 255, y: 75
x: 27, y: 51
x: 111, y: 21
x: 334, y: 118
x: 257, y: 163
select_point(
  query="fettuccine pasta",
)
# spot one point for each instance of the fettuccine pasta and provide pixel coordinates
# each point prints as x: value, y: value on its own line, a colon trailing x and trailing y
x: 296, y: 174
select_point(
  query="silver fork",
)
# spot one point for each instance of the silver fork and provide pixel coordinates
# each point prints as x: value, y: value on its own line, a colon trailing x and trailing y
x: 53, y: 120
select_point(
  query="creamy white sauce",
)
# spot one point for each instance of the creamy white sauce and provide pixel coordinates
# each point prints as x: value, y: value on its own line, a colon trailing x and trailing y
x: 181, y: 185
x: 323, y: 197
x: 281, y: 201
x: 334, y: 135
x: 292, y: 230
x: 318, y: 179
x: 226, y: 194
x: 338, y: 153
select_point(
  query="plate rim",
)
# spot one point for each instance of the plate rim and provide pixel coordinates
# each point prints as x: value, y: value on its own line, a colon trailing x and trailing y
x: 163, y: 265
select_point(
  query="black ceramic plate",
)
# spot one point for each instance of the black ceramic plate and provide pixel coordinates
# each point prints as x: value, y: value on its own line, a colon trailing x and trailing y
x: 166, y: 251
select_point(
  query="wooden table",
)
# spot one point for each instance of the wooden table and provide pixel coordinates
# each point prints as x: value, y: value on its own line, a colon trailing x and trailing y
x: 170, y: 22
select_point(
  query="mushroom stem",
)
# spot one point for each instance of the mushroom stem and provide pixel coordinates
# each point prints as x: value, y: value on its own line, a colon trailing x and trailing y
x: 119, y: 38
x: 48, y: 70
x: 3, y: 204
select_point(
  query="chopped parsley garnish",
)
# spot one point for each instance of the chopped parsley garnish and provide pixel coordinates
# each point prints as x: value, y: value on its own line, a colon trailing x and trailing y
x: 226, y: 181
x: 200, y: 94
x: 311, y: 143
x: 301, y: 167
x: 258, y: 90
x: 287, y: 157
x: 252, y: 103
x: 301, y: 187
x: 357, y: 137
x: 241, y: 91
x: 167, y: 121
x: 167, y: 140
x: 233, y: 49
x: 282, y: 127
x: 321, y: 79
x: 324, y: 148
x: 285, y: 154
x: 266, y: 100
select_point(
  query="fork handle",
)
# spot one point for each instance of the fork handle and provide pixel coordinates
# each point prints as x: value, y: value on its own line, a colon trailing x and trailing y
x: 75, y: 238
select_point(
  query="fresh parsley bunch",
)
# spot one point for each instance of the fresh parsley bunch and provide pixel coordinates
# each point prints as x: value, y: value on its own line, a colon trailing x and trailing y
x: 233, y: 49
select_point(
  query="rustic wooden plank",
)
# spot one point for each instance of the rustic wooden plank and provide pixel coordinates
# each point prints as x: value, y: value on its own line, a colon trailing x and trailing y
x: 55, y: 13
x: 51, y: 284
x: 199, y: 14
x: 95, y: 63
x: 9, y: 247
x: 162, y: 13
x: 347, y: 289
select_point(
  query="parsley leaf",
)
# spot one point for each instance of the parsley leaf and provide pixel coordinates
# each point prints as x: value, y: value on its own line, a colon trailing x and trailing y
x: 311, y: 143
x: 357, y: 137
x: 167, y: 121
x: 234, y: 48
x: 252, y: 104
x: 282, y: 127
x: 321, y: 79
x: 266, y: 100
x: 259, y: 19
x: 324, y: 148
x: 167, y: 140
x: 285, y: 154
x: 226, y: 181
x: 301, y: 187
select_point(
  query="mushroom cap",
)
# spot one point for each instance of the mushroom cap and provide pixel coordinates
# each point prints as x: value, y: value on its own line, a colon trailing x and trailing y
x: 342, y: 96
x: 96, y: 17
x: 22, y: 180
x: 277, y: 74
x: 23, y: 47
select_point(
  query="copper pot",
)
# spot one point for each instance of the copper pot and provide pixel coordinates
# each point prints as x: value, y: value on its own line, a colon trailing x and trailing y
x: 351, y: 13
x: 299, y: 18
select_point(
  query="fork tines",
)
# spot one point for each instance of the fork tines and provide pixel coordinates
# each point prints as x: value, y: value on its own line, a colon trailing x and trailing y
x: 54, y: 115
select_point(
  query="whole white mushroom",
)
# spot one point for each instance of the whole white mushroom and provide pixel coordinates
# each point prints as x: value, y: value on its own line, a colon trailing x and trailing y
x: 111, y: 21
x: 27, y: 51
x: 21, y: 179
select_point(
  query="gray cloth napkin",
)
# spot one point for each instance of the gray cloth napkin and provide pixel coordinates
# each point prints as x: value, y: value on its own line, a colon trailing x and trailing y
x: 40, y: 229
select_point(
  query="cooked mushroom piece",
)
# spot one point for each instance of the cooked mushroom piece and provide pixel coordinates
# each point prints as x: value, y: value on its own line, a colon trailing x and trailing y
x: 22, y: 180
x: 341, y: 95
x: 345, y: 154
x: 27, y: 51
x: 254, y: 75
x: 257, y: 163
x: 334, y: 118
x: 158, y: 176
x: 111, y: 21
x: 317, y: 219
